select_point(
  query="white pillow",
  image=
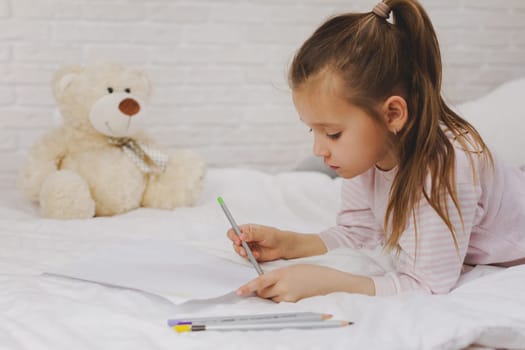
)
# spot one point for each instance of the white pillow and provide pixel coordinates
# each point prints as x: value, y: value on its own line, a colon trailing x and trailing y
x: 499, y: 117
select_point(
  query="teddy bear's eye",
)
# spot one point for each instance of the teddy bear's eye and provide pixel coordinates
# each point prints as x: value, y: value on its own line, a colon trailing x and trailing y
x: 110, y: 90
x: 128, y: 90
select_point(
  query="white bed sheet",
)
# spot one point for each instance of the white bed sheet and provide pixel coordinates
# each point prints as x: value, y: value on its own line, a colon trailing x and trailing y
x: 39, y: 312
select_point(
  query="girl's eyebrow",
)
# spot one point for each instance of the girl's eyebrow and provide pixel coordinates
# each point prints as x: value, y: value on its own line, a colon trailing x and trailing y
x: 326, y: 124
x: 322, y: 124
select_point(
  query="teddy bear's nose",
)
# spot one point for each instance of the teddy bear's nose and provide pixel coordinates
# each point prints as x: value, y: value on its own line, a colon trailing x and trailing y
x: 129, y: 107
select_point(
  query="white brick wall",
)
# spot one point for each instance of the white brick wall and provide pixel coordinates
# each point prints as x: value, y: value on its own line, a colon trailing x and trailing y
x: 219, y: 66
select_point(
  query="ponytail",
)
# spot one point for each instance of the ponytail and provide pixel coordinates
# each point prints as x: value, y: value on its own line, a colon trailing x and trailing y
x: 425, y: 151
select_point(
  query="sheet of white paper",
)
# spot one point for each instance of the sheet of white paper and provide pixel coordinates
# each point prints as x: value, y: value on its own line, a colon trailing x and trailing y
x: 172, y: 270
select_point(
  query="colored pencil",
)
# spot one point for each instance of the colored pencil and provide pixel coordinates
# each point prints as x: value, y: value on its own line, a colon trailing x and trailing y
x: 255, y: 318
x: 182, y: 328
x: 238, y: 233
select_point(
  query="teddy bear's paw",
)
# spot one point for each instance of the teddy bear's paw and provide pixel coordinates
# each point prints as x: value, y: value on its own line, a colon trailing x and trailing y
x: 65, y: 195
x: 179, y: 185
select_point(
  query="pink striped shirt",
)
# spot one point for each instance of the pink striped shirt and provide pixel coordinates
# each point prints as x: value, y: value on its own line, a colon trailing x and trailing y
x: 493, y: 211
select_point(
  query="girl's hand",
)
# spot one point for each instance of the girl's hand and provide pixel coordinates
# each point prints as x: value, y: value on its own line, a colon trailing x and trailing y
x: 267, y: 243
x: 296, y: 282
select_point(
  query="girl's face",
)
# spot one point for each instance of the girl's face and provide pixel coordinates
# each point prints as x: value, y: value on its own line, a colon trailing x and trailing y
x: 349, y: 140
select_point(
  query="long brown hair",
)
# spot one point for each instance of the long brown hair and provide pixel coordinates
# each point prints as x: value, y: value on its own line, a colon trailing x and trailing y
x: 376, y: 59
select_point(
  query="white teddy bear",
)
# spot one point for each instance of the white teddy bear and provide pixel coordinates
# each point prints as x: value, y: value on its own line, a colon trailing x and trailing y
x: 98, y: 163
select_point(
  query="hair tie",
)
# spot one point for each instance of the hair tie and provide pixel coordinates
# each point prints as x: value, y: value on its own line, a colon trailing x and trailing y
x: 382, y: 10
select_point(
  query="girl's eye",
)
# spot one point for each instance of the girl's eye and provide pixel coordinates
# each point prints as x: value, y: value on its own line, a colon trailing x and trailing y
x: 110, y: 90
x: 334, y: 136
x: 128, y: 90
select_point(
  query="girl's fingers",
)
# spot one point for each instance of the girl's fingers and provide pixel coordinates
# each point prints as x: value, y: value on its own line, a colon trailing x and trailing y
x: 247, y: 235
x: 256, y: 285
x: 233, y: 237
x: 236, y: 248
x: 254, y: 247
x: 251, y: 233
x: 277, y: 299
x: 268, y: 292
x: 239, y: 250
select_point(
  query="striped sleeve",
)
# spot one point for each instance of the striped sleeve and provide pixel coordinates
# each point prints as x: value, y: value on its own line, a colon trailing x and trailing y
x: 356, y: 226
x: 429, y: 260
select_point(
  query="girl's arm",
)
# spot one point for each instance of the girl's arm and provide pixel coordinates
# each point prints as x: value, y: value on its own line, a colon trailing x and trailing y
x: 269, y: 243
x: 357, y: 227
x: 301, y: 245
x: 296, y: 282
x: 429, y: 260
x: 430, y: 263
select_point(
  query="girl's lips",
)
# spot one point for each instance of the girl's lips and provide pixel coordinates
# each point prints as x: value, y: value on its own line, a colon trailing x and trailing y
x: 331, y: 166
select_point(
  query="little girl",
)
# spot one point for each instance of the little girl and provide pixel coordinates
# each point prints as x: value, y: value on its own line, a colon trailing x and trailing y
x: 418, y: 179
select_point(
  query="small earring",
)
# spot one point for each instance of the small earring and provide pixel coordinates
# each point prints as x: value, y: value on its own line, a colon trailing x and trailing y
x: 395, y: 132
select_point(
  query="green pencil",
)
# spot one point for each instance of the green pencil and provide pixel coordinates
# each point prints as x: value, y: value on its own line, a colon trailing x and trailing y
x: 238, y: 233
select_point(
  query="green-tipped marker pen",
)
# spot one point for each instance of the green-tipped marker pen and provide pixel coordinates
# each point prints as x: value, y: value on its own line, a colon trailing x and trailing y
x: 238, y: 233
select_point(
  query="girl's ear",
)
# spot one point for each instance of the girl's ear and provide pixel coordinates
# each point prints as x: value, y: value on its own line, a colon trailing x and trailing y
x: 395, y: 113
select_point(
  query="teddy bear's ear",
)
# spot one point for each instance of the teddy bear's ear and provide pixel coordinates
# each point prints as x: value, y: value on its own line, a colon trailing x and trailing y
x: 63, y: 77
x: 145, y: 80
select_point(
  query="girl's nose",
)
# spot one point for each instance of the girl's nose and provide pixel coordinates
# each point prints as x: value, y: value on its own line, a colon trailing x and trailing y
x: 320, y: 150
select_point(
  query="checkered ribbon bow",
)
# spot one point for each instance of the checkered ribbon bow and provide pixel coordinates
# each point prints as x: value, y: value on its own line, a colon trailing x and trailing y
x: 147, y: 158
